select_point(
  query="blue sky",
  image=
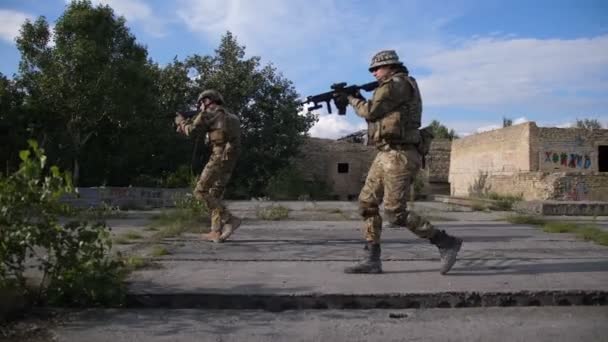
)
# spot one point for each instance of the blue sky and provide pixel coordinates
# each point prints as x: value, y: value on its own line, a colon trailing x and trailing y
x: 476, y: 61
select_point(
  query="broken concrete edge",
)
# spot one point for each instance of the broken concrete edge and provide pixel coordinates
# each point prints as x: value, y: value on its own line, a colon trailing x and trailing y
x: 367, y: 301
x: 544, y: 208
x: 562, y: 208
x: 464, y: 201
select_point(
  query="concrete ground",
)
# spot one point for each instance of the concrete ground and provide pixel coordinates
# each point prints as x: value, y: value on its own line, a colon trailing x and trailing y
x: 305, y: 254
x: 295, y: 264
x: 550, y: 324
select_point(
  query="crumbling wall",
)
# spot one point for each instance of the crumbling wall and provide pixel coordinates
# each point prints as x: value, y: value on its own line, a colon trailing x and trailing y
x: 319, y: 159
x: 501, y: 152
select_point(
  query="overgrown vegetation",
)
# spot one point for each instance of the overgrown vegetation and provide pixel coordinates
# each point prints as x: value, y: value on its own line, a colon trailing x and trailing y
x: 503, y: 202
x: 417, y: 187
x: 480, y: 190
x: 273, y: 213
x: 480, y: 186
x: 585, y: 231
x: 69, y: 94
x: 526, y: 219
x: 289, y: 184
x: 158, y: 251
x: 442, y: 132
x: 588, y: 124
x: 73, y: 259
x: 478, y: 205
x: 189, y: 215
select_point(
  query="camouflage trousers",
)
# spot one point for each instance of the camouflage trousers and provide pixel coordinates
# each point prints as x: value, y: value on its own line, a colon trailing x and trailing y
x: 389, y: 180
x: 212, y: 183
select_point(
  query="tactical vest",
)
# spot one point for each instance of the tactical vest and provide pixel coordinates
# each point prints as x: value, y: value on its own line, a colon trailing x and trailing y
x: 226, y: 128
x: 400, y: 126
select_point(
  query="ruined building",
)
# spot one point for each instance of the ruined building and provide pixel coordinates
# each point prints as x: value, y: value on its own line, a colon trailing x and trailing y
x: 537, y: 163
x: 343, y: 164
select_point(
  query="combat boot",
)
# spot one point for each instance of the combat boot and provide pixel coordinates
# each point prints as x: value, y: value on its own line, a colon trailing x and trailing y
x: 371, y: 263
x: 229, y: 228
x: 213, y: 236
x: 448, y: 249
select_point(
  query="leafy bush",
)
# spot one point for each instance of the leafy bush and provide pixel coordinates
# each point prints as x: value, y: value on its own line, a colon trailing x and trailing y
x: 73, y: 257
x: 417, y: 186
x: 503, y: 202
x: 181, y: 178
x: 480, y: 186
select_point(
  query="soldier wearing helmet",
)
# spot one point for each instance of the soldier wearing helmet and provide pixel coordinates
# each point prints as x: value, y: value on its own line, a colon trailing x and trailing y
x: 393, y: 115
x: 224, y: 135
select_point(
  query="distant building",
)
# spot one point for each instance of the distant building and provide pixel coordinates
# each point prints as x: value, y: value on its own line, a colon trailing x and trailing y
x: 437, y: 163
x: 341, y: 165
x: 538, y: 163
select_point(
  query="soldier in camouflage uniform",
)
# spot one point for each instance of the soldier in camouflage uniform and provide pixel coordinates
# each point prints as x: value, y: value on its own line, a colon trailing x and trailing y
x: 224, y: 135
x: 393, y: 116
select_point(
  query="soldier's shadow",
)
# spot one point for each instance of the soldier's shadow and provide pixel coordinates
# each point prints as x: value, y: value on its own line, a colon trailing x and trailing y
x: 516, y: 269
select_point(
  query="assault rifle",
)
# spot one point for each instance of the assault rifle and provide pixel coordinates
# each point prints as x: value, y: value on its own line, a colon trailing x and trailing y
x: 337, y: 89
x: 187, y: 114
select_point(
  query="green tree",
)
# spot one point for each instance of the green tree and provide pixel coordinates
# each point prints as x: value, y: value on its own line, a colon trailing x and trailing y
x: 442, y: 132
x: 267, y: 105
x: 588, y: 123
x: 13, y: 129
x: 94, y: 80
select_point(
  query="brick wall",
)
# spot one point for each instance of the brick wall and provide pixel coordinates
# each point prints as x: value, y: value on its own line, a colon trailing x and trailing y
x: 437, y: 167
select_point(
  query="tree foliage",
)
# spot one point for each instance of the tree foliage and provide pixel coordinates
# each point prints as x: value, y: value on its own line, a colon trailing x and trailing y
x: 101, y: 108
x: 267, y: 104
x: 13, y: 122
x: 588, y: 123
x: 442, y: 132
x: 95, y: 77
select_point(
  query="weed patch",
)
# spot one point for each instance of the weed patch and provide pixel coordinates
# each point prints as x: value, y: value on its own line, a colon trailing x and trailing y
x: 589, y: 232
x: 273, y: 213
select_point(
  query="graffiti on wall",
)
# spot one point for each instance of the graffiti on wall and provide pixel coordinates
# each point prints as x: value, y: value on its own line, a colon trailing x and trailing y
x: 568, y: 160
x: 575, y: 190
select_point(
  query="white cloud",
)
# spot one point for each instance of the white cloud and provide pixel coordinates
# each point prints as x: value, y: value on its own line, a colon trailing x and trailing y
x: 130, y: 9
x: 332, y: 126
x: 11, y: 23
x: 136, y: 11
x: 489, y: 72
x: 260, y: 24
x: 496, y: 72
x: 520, y: 120
x: 327, y: 38
x: 487, y: 128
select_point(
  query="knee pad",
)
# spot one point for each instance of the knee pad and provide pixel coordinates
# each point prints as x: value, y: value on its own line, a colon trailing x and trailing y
x: 368, y: 210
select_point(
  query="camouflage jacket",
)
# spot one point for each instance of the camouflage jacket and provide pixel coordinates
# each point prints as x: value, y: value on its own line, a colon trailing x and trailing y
x: 394, y: 111
x: 222, y: 126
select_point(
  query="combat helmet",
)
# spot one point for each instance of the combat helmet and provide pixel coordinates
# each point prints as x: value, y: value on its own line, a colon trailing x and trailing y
x: 384, y: 57
x: 212, y: 95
